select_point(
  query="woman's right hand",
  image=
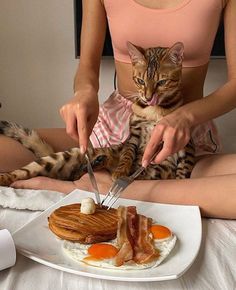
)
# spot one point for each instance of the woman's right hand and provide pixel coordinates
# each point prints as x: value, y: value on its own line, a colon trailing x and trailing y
x: 80, y: 115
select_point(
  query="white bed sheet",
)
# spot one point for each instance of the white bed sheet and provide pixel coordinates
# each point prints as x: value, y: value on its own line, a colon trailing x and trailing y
x: 214, y: 268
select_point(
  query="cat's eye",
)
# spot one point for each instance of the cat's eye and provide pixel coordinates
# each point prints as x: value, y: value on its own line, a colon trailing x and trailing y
x: 140, y: 81
x: 162, y: 82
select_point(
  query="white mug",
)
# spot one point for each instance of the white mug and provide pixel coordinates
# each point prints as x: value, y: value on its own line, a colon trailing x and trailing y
x: 7, y: 250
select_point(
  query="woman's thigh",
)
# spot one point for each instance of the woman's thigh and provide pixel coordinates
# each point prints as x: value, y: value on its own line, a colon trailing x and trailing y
x: 57, y: 138
x: 213, y: 165
x: 13, y: 155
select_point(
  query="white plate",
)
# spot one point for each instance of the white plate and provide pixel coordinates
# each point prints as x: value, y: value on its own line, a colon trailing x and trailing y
x: 35, y: 241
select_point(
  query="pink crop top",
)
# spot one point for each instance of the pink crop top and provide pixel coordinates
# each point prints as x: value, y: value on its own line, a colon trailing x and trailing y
x: 193, y: 22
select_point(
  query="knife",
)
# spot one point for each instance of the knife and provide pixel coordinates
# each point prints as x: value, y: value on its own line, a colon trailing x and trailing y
x: 93, y: 180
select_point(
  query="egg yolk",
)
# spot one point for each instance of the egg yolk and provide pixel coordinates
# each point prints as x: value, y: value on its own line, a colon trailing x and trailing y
x: 102, y: 251
x: 160, y: 232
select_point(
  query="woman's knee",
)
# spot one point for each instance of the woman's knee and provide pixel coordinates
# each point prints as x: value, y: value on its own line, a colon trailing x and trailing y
x: 13, y: 155
x: 57, y: 138
x: 215, y: 165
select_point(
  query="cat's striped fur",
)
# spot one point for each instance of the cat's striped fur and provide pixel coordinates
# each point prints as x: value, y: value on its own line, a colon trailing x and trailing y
x: 157, y: 75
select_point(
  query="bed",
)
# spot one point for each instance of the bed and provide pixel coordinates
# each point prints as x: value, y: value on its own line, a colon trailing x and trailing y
x: 214, y: 267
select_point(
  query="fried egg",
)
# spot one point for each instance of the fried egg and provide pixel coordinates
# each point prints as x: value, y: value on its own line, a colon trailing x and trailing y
x: 103, y: 254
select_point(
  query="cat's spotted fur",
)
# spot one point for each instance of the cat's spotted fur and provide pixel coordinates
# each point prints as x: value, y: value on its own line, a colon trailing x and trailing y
x: 157, y: 75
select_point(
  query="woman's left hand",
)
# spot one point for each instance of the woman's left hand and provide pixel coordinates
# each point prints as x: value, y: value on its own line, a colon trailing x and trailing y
x: 174, y: 131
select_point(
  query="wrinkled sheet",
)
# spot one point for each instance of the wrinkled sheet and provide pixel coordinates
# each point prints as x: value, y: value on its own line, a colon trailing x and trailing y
x: 214, y: 268
x: 28, y: 198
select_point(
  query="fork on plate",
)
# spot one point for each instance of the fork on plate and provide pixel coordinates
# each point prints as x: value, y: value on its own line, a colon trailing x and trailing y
x: 121, y: 183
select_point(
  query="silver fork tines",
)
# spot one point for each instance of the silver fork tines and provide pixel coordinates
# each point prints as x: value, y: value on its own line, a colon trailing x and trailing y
x: 121, y: 183
x: 112, y: 196
x: 118, y: 186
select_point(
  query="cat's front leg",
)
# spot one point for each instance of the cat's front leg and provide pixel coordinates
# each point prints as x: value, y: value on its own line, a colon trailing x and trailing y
x: 62, y: 165
x: 127, y: 157
x: 186, y: 162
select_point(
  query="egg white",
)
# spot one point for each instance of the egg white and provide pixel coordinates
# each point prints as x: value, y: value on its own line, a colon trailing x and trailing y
x: 78, y: 252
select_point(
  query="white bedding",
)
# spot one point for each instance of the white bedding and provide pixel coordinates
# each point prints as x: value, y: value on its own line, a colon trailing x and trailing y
x: 214, y: 267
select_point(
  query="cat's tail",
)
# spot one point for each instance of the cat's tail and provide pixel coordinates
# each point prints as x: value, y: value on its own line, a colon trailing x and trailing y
x: 27, y: 137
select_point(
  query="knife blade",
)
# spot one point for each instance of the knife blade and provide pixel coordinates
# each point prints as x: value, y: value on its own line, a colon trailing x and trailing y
x: 93, y: 179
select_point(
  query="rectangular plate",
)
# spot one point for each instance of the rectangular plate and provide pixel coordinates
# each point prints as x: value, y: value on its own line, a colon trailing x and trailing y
x: 35, y: 241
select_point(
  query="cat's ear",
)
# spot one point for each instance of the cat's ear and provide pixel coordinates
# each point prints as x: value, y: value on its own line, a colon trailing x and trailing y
x: 176, y: 53
x: 135, y: 52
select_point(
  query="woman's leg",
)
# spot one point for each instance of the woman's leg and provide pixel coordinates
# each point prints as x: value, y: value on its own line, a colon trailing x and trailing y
x: 13, y: 155
x: 57, y: 138
x: 213, y: 165
x: 212, y: 186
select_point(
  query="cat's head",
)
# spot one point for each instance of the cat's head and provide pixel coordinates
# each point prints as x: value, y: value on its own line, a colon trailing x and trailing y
x: 157, y: 74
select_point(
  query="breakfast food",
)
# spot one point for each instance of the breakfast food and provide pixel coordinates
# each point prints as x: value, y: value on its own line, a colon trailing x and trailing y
x: 139, y: 244
x: 88, y: 206
x: 68, y: 223
x: 114, y: 239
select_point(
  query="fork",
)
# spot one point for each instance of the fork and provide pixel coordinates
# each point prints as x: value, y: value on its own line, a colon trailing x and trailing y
x: 121, y: 183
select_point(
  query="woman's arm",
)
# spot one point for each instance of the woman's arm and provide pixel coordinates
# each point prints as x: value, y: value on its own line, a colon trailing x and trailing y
x: 223, y: 99
x: 92, y: 40
x: 175, y: 128
x: 80, y: 113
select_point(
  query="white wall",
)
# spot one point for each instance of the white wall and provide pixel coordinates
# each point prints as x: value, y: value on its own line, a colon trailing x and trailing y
x: 37, y: 65
x: 37, y: 62
x: 217, y: 76
x: 36, y: 59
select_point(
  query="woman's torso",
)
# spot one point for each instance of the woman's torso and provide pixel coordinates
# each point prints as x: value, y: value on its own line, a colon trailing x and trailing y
x: 164, y: 11
x: 192, y: 78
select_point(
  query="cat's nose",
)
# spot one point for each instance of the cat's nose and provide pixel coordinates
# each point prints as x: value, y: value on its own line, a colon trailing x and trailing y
x: 149, y: 97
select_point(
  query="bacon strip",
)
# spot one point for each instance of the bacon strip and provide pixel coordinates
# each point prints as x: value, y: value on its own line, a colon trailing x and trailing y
x: 144, y: 250
x: 124, y: 237
x: 133, y: 237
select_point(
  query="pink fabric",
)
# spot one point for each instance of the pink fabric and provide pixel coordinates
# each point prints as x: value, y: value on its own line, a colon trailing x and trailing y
x: 112, y: 127
x: 193, y: 22
x: 206, y: 139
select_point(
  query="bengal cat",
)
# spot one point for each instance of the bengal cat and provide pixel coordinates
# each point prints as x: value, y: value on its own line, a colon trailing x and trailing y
x: 157, y: 75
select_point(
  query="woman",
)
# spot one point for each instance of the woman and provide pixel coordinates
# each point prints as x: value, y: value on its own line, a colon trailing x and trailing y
x: 150, y: 23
